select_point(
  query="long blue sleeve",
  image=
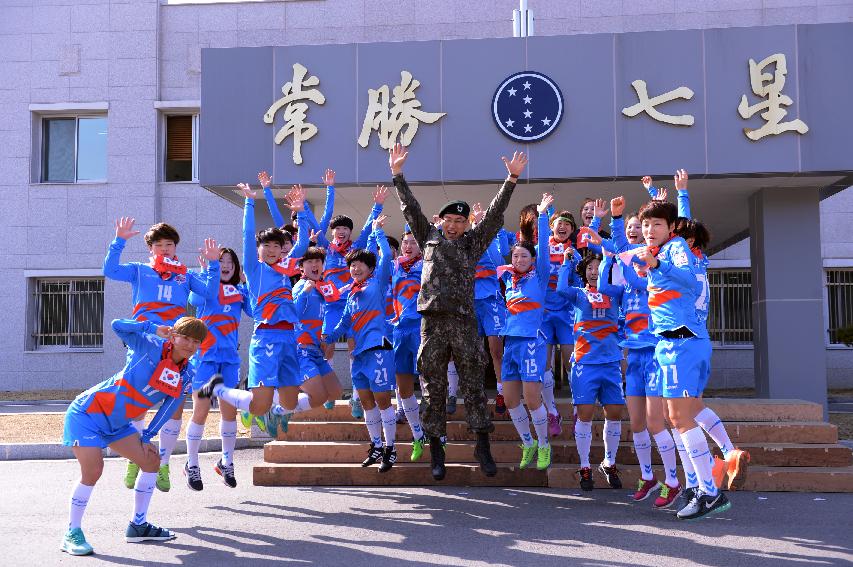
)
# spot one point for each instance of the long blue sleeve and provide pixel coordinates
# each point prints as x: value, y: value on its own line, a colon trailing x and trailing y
x: 684, y: 276
x: 634, y: 280
x: 653, y: 191
x: 302, y: 238
x: 503, y: 243
x: 614, y: 291
x: 494, y: 252
x: 115, y: 270
x: 207, y: 283
x: 563, y: 287
x: 617, y: 235
x: 277, y: 217
x: 375, y: 211
x: 383, y: 268
x: 328, y: 209
x: 543, y: 258
x: 132, y: 333
x: 164, y: 414
x: 342, y: 327
x: 684, y: 204
x: 250, y: 253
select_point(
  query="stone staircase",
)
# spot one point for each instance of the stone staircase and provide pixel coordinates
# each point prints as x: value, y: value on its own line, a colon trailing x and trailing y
x: 792, y: 449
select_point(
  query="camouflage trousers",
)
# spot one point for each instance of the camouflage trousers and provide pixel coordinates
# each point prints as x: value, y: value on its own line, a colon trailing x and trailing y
x: 443, y: 337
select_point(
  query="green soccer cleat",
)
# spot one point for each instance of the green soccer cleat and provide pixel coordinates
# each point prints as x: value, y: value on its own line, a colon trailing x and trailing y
x: 329, y: 404
x: 132, y: 473
x: 163, y: 483
x: 261, y: 423
x: 543, y: 457
x: 74, y: 543
x: 271, y: 422
x: 245, y: 419
x: 527, y: 454
x: 418, y: 449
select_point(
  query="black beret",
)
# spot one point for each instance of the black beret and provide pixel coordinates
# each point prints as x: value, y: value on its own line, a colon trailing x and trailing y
x: 455, y: 208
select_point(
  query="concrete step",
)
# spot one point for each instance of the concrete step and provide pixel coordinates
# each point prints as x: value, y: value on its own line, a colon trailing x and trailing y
x: 741, y: 433
x: 773, y: 454
x: 729, y: 409
x: 799, y: 479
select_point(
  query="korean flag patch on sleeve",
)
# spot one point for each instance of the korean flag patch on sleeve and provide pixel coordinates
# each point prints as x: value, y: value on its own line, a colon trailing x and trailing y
x: 679, y: 255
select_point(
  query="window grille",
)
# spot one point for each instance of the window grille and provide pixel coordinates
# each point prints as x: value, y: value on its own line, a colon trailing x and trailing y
x: 68, y: 314
x: 839, y: 302
x: 730, y: 307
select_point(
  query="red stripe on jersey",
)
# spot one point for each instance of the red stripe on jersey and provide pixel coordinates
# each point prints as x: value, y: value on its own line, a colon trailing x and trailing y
x: 407, y: 288
x: 637, y: 322
x: 658, y: 296
x: 483, y: 273
x: 102, y: 403
x: 522, y: 304
x: 169, y: 310
x: 362, y: 318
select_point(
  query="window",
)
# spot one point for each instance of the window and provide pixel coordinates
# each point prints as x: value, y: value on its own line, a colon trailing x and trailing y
x: 181, y: 148
x: 67, y: 313
x: 74, y: 149
x: 730, y: 307
x: 839, y: 302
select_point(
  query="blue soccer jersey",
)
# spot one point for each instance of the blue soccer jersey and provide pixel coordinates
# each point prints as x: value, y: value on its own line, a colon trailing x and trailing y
x: 525, y: 293
x: 405, y: 286
x: 674, y: 290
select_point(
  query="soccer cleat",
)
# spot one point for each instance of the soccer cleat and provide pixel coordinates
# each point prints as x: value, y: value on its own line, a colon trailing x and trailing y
x: 206, y: 391
x: 543, y: 458
x: 703, y: 504
x: 74, y: 543
x: 227, y: 473
x: 282, y: 422
x: 271, y: 420
x: 483, y: 454
x: 645, y: 488
x: 718, y: 471
x: 555, y: 425
x: 389, y: 457
x: 667, y: 496
x: 527, y: 454
x: 245, y: 419
x: 146, y: 532
x: 329, y: 404
x: 130, y: 476
x: 738, y: 462
x: 400, y: 415
x: 417, y: 449
x: 374, y: 455
x: 260, y: 422
x: 193, y: 475
x: 611, y: 474
x: 163, y: 483
x: 686, y: 496
x: 585, y: 476
x: 436, y: 455
x: 356, y: 410
x: 451, y: 405
x: 500, y: 404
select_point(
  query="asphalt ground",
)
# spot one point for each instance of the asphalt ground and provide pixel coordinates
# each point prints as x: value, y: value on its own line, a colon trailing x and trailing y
x: 409, y: 526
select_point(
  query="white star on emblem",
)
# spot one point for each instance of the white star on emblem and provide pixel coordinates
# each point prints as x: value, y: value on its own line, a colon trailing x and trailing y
x: 526, y: 85
x: 527, y: 100
x: 528, y: 113
x: 528, y: 128
x: 511, y: 92
x: 546, y: 121
x: 509, y: 123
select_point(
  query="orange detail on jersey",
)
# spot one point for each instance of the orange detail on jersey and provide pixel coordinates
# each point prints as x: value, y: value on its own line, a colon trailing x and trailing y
x: 598, y: 329
x: 103, y: 403
x: 308, y: 325
x: 362, y: 318
x: 483, y: 273
x: 132, y: 412
x: 407, y: 288
x: 131, y: 392
x: 173, y: 311
x: 522, y: 304
x: 637, y: 322
x: 269, y: 307
x: 658, y: 296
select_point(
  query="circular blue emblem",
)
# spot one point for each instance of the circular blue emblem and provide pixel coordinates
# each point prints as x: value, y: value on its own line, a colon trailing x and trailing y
x: 527, y: 107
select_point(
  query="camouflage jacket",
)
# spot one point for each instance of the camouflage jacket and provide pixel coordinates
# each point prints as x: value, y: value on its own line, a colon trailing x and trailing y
x: 447, y: 283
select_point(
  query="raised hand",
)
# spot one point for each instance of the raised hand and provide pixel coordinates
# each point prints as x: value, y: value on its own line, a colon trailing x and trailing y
x: 329, y: 177
x: 296, y: 198
x: 380, y: 194
x: 124, y: 228
x: 646, y: 181
x: 437, y: 221
x: 568, y: 253
x: 396, y: 158
x: 164, y: 331
x: 617, y: 206
x: 202, y: 262
x: 478, y: 212
x: 517, y: 164
x: 314, y: 235
x: 379, y: 221
x: 547, y: 199
x: 265, y: 179
x: 680, y: 179
x: 645, y: 254
x: 210, y: 250
x: 247, y: 191
x: 600, y: 208
x: 661, y: 196
x: 594, y: 238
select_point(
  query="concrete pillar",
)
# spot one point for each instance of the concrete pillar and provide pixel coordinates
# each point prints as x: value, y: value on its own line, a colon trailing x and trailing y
x: 787, y: 294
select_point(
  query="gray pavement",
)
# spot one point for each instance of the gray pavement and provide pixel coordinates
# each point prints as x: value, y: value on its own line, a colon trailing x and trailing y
x: 409, y: 526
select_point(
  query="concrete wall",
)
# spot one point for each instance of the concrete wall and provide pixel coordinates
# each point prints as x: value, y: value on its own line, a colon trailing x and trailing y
x: 131, y: 54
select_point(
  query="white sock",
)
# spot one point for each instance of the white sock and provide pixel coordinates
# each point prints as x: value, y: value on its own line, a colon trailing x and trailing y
x: 168, y: 439
x: 711, y: 422
x: 373, y: 421
x: 452, y: 380
x: 522, y: 424
x: 194, y: 435
x: 303, y: 403
x: 690, y: 480
x: 228, y: 431
x: 612, y: 434
x: 389, y: 425
x: 399, y: 399
x: 410, y: 407
x: 276, y: 397
x: 666, y: 448
x: 139, y: 426
x: 240, y: 399
x: 540, y: 424
x: 354, y: 391
x: 548, y: 392
x: 583, y: 440
x: 697, y: 448
x: 79, y: 500
x: 500, y: 388
x: 643, y: 448
x: 144, y: 488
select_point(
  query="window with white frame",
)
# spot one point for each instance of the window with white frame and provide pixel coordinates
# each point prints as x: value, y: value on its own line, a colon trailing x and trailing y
x: 67, y: 313
x: 73, y: 149
x: 839, y: 302
x: 730, y: 307
x: 180, y: 161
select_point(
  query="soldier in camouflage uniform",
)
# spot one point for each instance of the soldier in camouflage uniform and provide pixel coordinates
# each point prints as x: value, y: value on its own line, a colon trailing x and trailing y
x: 446, y: 301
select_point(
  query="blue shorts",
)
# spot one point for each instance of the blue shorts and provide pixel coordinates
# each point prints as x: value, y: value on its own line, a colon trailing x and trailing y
x: 685, y: 365
x: 557, y: 326
x: 524, y: 359
x: 206, y: 369
x: 312, y: 363
x: 642, y: 377
x: 272, y: 360
x: 602, y: 382
x: 374, y: 370
x: 81, y: 430
x: 407, y: 341
x: 491, y: 316
x: 332, y: 314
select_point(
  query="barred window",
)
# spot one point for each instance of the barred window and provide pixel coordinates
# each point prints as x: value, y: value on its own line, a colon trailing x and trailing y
x: 67, y: 314
x: 730, y: 307
x: 839, y: 302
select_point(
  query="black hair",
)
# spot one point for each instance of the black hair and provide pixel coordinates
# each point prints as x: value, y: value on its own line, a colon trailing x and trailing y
x: 271, y: 235
x: 235, y: 277
x: 341, y: 220
x: 313, y: 253
x: 161, y: 231
x: 696, y: 230
x: 368, y: 258
x: 527, y: 245
x: 586, y: 261
x: 659, y: 210
x: 566, y: 215
x: 527, y: 219
x: 393, y: 242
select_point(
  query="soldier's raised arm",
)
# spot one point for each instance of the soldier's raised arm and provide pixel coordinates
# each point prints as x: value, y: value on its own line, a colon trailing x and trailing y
x: 418, y: 223
x: 486, y: 231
